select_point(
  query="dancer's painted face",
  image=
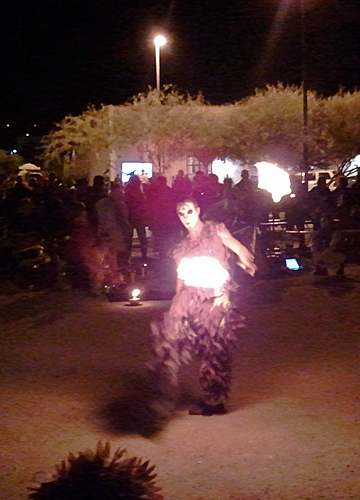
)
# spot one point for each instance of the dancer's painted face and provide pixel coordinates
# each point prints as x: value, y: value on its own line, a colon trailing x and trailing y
x: 189, y: 215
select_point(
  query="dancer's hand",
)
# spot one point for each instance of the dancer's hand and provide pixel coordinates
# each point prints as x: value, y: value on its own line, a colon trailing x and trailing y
x: 246, y: 258
x: 249, y: 267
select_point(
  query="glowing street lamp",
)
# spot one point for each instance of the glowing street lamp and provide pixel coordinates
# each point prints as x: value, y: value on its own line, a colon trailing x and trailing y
x: 159, y: 41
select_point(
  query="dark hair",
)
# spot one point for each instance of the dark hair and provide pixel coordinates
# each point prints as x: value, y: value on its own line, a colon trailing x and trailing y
x: 245, y: 173
x: 187, y: 199
x: 161, y: 180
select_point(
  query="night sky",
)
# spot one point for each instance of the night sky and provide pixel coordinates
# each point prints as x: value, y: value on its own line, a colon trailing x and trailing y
x: 58, y: 57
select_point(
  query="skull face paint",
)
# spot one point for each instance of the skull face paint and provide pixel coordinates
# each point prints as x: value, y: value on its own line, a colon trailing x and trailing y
x: 188, y: 215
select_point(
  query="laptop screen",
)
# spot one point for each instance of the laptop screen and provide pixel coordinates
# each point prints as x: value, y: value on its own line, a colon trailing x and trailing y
x: 292, y: 264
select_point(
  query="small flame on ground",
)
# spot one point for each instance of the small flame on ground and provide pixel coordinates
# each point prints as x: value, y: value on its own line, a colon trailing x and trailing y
x: 135, y: 294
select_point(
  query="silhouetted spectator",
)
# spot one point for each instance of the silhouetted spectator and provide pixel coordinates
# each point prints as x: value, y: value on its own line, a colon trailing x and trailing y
x: 325, y: 207
x: 355, y: 201
x: 294, y: 207
x: 199, y: 187
x: 113, y: 226
x: 14, y: 195
x: 245, y: 185
x: 355, y: 188
x: 144, y: 181
x: 93, y: 194
x: 81, y: 187
x: 182, y: 185
x: 23, y: 228
x: 212, y: 193
x: 244, y: 192
x: 320, y: 203
x: 220, y: 201
x: 135, y: 202
x: 342, y: 202
x: 163, y: 221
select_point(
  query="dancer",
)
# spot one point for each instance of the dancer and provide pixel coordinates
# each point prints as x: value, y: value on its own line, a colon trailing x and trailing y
x: 201, y: 320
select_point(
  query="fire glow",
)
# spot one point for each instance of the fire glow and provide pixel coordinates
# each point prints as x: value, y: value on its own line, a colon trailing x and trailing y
x: 202, y: 272
x: 135, y: 297
x: 273, y: 179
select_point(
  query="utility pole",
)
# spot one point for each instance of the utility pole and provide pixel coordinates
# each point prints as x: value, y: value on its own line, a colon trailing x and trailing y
x: 304, y: 85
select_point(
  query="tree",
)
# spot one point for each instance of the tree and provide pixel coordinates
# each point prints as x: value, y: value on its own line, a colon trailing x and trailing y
x: 210, y: 133
x: 338, y: 118
x: 269, y: 126
x: 9, y: 164
x: 77, y: 134
x: 167, y: 126
x: 161, y: 126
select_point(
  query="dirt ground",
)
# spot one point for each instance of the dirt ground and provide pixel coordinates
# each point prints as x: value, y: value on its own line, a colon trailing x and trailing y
x: 72, y: 373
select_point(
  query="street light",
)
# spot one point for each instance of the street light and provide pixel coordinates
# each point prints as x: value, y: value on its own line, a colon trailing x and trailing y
x: 304, y: 82
x: 159, y: 41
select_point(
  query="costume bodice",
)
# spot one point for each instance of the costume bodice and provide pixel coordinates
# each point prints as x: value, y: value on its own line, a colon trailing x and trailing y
x: 208, y: 244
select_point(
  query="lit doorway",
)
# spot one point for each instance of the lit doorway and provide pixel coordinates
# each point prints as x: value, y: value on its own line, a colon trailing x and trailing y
x: 135, y: 167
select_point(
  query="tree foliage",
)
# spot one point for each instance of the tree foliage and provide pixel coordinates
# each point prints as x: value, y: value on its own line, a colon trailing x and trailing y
x: 161, y: 125
x: 165, y: 126
x: 271, y: 126
x: 166, y: 123
x: 75, y: 134
x: 339, y: 119
x: 9, y: 164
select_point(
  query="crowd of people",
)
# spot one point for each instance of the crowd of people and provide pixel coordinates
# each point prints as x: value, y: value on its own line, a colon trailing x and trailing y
x: 342, y: 204
x: 332, y: 214
x: 98, y: 220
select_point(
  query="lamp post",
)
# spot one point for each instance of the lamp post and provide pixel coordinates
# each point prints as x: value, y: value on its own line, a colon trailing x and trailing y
x: 159, y: 41
x: 304, y: 83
